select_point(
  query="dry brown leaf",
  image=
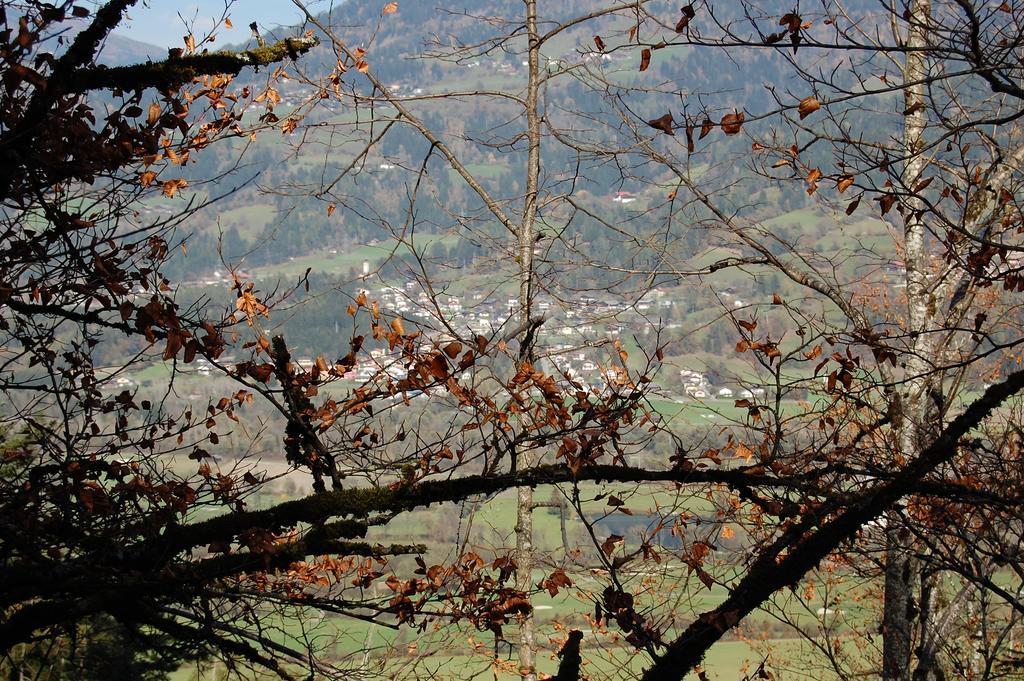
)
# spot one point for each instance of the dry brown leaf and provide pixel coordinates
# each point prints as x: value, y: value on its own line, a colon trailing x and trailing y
x: 664, y: 123
x: 732, y: 123
x: 808, y: 105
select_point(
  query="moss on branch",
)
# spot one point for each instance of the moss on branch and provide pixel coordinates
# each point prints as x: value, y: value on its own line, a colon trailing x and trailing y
x: 175, y: 71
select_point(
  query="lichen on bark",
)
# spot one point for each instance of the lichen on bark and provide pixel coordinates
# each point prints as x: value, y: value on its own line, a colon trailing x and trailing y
x: 176, y: 71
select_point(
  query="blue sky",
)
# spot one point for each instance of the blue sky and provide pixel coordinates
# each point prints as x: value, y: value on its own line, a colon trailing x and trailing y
x: 157, y: 22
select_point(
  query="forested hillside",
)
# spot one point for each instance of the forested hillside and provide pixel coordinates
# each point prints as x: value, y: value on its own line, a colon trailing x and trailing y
x: 268, y: 226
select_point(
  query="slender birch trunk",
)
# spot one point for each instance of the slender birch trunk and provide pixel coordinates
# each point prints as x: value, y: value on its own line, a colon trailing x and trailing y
x: 899, y: 610
x: 525, y: 240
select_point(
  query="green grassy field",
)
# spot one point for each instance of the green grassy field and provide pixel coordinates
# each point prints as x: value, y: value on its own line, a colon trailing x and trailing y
x: 449, y: 653
x: 345, y: 259
x: 250, y: 219
x: 469, y: 654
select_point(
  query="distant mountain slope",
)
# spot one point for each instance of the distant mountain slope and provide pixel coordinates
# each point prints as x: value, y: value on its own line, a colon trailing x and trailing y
x: 117, y: 50
x: 283, y: 228
x: 120, y: 49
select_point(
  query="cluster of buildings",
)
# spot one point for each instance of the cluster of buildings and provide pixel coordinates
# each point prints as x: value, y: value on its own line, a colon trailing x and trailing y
x: 488, y: 314
x: 565, y: 341
x: 696, y: 385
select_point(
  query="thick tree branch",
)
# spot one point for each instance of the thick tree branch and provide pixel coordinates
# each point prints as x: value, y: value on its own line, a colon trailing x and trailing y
x: 173, y: 72
x: 75, y: 578
x: 798, y: 551
x: 360, y: 503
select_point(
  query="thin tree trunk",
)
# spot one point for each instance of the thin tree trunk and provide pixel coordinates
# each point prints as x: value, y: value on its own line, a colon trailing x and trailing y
x: 525, y: 241
x: 922, y: 307
x: 524, y: 570
x: 898, y: 612
x: 928, y: 668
